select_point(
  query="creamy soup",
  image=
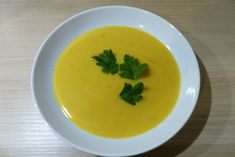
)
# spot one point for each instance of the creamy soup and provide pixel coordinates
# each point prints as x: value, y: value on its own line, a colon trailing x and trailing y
x: 90, y: 98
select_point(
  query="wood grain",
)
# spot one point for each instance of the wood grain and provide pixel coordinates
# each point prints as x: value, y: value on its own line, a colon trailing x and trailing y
x: 208, y: 25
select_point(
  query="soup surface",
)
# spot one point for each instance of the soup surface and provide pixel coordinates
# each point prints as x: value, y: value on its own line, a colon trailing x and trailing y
x: 90, y: 98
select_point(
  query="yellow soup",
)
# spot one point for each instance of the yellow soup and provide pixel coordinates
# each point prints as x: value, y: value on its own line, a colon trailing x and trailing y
x: 90, y: 98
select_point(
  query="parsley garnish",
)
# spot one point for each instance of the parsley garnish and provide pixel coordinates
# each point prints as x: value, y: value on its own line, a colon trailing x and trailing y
x: 132, y: 68
x: 132, y: 94
x: 107, y: 61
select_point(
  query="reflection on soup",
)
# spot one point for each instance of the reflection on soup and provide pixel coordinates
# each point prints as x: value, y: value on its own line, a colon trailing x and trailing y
x: 89, y: 97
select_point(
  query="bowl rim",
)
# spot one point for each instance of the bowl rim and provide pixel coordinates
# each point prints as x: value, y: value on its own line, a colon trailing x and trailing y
x: 197, y: 84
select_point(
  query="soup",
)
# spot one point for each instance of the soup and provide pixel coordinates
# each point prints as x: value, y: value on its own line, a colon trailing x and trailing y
x: 90, y: 98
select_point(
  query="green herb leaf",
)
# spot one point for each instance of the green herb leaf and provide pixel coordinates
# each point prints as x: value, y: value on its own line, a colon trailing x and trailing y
x: 132, y: 68
x: 107, y: 61
x: 132, y: 94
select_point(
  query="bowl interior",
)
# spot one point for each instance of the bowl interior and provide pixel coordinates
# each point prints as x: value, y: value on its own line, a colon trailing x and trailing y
x: 66, y: 32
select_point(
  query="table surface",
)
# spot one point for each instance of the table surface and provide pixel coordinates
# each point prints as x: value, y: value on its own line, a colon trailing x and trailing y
x: 208, y: 25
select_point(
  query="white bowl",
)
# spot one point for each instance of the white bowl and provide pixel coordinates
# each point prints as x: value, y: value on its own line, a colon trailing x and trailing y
x: 61, y: 36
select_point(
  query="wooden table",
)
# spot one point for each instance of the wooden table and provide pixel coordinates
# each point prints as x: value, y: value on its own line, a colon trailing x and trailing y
x: 209, y: 25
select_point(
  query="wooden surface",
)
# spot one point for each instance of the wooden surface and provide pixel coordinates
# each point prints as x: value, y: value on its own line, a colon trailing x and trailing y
x: 209, y: 25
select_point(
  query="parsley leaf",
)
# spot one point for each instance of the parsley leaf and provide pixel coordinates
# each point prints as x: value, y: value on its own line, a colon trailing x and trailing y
x: 132, y: 68
x: 132, y: 94
x: 107, y: 61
